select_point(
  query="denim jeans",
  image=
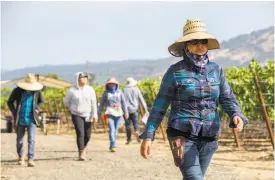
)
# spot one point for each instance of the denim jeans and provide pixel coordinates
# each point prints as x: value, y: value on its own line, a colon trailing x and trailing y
x: 31, y: 140
x: 133, y: 118
x: 113, y: 123
x: 197, y: 157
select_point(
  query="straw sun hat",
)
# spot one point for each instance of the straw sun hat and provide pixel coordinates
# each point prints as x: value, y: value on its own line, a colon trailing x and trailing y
x: 111, y: 80
x: 130, y: 82
x: 30, y: 83
x: 193, y: 29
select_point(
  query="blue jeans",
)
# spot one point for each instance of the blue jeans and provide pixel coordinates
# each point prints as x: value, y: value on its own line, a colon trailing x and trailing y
x: 31, y: 140
x: 197, y: 157
x: 113, y: 123
x: 133, y: 117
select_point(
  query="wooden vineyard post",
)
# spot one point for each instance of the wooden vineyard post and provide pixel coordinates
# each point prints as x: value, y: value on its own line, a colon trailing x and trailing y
x: 102, y: 116
x: 141, y: 110
x: 161, y: 128
x: 236, y: 137
x: 66, y: 114
x: 264, y: 110
x: 235, y: 133
x: 49, y: 107
x: 59, y: 124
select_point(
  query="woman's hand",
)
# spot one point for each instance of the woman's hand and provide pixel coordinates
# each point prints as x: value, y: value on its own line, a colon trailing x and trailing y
x: 126, y: 116
x: 238, y: 123
x: 94, y: 119
x: 145, y: 148
x: 117, y: 107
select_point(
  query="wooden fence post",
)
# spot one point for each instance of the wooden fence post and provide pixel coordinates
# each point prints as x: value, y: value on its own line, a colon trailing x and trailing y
x: 161, y: 128
x: 264, y: 110
x: 102, y: 116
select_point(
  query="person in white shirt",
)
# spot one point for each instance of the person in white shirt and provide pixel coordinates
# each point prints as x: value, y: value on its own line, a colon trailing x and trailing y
x: 81, y: 101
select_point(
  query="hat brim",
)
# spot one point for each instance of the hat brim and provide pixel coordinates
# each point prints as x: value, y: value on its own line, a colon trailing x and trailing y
x: 176, y: 49
x: 131, y: 84
x: 30, y: 86
x: 112, y: 82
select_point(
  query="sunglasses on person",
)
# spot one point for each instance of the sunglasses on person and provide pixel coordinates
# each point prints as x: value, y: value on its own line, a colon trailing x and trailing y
x: 81, y: 75
x: 198, y: 41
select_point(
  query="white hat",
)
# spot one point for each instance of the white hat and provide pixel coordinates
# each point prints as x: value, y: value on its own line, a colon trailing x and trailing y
x: 30, y: 83
x: 131, y: 82
x: 193, y: 29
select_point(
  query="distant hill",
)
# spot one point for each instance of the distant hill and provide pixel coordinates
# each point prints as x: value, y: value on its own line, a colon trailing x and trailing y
x: 237, y: 51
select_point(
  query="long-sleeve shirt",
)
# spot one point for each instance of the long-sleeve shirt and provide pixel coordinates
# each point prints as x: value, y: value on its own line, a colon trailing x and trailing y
x: 133, y: 97
x: 110, y: 100
x: 81, y: 101
x: 194, y: 97
x: 15, y: 100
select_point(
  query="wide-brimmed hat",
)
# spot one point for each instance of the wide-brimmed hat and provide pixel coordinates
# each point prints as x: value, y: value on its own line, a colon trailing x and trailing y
x: 111, y: 80
x: 193, y: 29
x: 130, y: 82
x: 30, y: 83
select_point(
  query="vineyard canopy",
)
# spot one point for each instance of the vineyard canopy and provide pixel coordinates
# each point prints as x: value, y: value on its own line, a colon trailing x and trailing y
x: 45, y: 80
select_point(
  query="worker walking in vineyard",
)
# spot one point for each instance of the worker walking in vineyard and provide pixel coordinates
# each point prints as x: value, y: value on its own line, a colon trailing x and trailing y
x: 194, y: 86
x: 81, y: 101
x: 25, y: 102
x: 114, y: 101
x: 133, y: 97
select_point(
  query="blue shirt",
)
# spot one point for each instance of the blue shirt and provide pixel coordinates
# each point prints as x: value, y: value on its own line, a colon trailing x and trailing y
x: 194, y: 97
x: 26, y: 110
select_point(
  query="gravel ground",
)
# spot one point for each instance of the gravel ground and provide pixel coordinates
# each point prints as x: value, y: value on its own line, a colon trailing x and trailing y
x: 56, y: 158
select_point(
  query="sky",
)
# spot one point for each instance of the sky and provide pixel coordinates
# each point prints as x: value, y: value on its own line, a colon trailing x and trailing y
x: 39, y: 33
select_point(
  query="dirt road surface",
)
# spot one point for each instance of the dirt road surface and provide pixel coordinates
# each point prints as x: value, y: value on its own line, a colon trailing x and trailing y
x: 56, y: 159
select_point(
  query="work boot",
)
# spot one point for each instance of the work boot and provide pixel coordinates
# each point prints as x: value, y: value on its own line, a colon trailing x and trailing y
x: 31, y: 163
x: 21, y: 160
x: 82, y: 156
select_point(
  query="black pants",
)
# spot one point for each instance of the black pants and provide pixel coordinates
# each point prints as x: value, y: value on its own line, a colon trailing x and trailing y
x: 133, y: 118
x: 83, y: 131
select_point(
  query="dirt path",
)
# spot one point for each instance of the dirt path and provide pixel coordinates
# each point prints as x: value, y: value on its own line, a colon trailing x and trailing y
x: 56, y: 158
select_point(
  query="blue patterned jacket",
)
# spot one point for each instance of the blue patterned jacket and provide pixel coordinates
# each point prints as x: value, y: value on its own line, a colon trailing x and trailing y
x: 194, y: 97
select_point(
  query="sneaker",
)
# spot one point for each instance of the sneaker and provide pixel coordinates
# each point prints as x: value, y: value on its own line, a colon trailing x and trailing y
x: 81, y: 156
x: 113, y: 149
x: 21, y: 160
x: 137, y: 136
x: 31, y: 163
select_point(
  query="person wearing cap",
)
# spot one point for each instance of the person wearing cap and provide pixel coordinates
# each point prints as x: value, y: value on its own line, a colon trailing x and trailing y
x: 193, y: 87
x: 25, y: 102
x: 133, y: 97
x: 81, y: 101
x: 114, y: 101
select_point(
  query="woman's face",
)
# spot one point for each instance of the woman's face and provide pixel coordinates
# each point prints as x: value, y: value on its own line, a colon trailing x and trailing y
x: 198, y: 46
x: 82, y: 81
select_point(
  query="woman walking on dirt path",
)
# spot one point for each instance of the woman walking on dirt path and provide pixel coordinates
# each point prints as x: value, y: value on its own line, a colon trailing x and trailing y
x: 194, y: 86
x: 114, y: 101
x: 81, y: 101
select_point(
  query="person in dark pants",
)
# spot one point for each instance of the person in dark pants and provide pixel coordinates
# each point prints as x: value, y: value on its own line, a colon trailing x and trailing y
x: 28, y: 101
x: 193, y: 87
x: 133, y: 97
x: 81, y: 100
